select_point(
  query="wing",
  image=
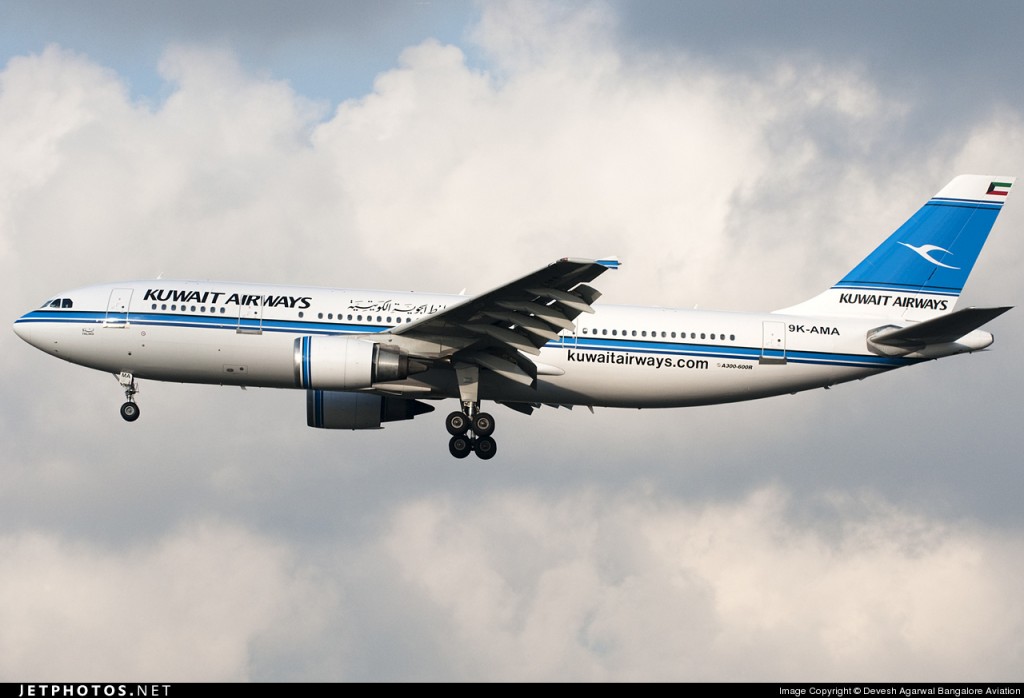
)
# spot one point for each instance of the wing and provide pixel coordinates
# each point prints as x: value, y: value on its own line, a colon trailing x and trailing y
x: 499, y: 330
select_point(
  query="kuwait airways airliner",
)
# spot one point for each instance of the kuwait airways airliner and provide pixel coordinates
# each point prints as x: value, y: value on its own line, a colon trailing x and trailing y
x: 369, y: 357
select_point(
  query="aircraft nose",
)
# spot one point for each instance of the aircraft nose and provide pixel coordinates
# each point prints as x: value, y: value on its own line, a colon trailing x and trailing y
x: 24, y: 330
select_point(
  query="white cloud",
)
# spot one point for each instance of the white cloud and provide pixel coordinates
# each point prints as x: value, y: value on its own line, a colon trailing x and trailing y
x: 448, y: 177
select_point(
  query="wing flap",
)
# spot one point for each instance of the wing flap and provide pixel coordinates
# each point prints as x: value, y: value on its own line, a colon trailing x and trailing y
x: 513, y: 340
x: 544, y: 312
x: 504, y: 368
x: 569, y: 300
x: 528, y: 322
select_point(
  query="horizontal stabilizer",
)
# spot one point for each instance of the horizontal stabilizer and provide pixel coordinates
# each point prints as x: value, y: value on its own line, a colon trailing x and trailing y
x: 938, y: 330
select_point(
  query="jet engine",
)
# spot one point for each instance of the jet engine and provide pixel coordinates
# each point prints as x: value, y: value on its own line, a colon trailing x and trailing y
x: 331, y: 409
x: 348, y: 363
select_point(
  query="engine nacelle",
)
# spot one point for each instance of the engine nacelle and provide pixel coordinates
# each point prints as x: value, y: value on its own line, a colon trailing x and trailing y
x: 346, y: 363
x: 329, y: 409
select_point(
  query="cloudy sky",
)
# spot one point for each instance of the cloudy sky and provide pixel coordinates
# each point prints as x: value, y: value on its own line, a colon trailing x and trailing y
x: 735, y: 156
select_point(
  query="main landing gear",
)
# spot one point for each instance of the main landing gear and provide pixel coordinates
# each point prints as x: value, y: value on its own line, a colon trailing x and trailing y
x: 129, y: 410
x: 471, y: 431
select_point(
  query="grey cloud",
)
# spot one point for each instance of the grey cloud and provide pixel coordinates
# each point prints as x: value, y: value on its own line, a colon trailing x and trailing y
x: 935, y: 53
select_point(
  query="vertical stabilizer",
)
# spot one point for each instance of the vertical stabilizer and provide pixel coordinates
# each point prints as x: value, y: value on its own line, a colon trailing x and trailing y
x: 921, y: 269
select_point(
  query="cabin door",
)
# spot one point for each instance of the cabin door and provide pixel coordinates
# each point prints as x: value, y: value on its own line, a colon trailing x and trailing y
x: 250, y: 318
x: 117, y: 308
x: 773, y: 344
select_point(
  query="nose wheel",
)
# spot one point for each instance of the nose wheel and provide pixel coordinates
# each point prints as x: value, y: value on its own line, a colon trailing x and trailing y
x: 471, y: 432
x: 129, y: 410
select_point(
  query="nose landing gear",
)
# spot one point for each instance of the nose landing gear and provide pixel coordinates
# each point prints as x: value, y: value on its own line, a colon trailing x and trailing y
x: 129, y: 410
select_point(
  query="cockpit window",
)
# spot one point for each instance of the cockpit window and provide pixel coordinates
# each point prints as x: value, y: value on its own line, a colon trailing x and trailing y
x: 57, y: 303
x: 65, y: 302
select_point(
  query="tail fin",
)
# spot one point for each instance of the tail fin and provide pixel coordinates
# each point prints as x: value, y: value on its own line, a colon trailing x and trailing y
x: 921, y: 269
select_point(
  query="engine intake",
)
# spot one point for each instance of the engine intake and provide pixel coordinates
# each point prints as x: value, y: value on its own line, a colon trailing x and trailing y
x: 348, y: 363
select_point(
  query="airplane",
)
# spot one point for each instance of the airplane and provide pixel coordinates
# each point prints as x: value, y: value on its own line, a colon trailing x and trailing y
x: 367, y: 357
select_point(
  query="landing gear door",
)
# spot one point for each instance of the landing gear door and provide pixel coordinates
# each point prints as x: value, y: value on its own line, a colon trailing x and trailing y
x: 773, y: 345
x: 117, y: 308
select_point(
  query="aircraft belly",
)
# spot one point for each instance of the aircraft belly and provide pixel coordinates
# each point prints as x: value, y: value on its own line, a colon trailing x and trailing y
x: 222, y: 357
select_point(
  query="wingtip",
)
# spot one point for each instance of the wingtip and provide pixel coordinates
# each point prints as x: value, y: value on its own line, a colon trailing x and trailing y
x: 607, y: 262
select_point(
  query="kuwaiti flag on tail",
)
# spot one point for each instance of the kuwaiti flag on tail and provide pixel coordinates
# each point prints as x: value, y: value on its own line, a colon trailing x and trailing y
x: 999, y: 188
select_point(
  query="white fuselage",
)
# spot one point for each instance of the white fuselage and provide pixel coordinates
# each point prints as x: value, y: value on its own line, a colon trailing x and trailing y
x: 620, y: 356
